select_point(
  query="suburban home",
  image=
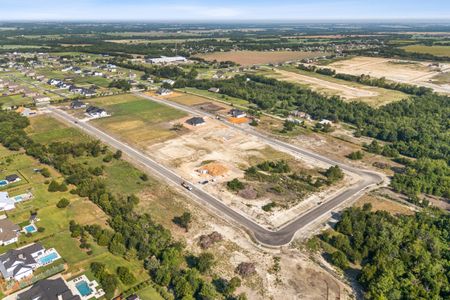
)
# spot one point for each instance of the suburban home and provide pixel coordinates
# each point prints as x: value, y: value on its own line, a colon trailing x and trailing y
x: 169, y: 81
x: 77, y: 104
x: 20, y: 263
x: 214, y: 90
x: 6, y: 203
x: 9, y: 232
x: 133, y: 297
x: 88, y: 92
x: 164, y: 92
x: 237, y: 113
x: 326, y: 122
x: 12, y: 178
x: 96, y: 112
x: 25, y: 111
x: 48, y: 289
x: 167, y: 60
x: 41, y: 100
x: 196, y: 121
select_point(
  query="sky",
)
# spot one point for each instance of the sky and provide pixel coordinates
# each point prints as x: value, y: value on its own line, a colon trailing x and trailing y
x: 225, y: 10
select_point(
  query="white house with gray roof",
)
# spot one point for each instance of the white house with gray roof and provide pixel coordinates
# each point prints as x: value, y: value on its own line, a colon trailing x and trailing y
x: 20, y: 263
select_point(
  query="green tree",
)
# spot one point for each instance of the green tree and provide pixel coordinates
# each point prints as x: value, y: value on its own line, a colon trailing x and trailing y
x: 64, y: 202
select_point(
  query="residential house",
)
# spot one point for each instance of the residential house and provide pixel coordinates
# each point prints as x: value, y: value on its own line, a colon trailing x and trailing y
x: 12, y: 178
x: 214, y: 90
x: 237, y: 113
x: 77, y: 104
x: 167, y: 60
x: 20, y: 263
x: 48, y: 289
x: 41, y: 100
x: 196, y: 121
x: 88, y: 92
x: 25, y: 111
x: 164, y: 92
x: 9, y: 232
x: 133, y: 297
x: 96, y: 112
x: 326, y: 122
x: 6, y: 203
x: 169, y: 81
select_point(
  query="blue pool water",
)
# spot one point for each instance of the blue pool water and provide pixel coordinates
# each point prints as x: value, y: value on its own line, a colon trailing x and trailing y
x: 30, y: 228
x: 83, y: 288
x: 18, y: 198
x: 3, y: 182
x: 48, y: 258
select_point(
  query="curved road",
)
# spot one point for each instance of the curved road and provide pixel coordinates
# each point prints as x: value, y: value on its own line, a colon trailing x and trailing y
x: 283, y: 235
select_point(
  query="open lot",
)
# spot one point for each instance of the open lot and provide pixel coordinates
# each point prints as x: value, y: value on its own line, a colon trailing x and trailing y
x: 411, y: 72
x: 335, y: 87
x: 247, y: 58
x: 14, y: 100
x: 137, y: 120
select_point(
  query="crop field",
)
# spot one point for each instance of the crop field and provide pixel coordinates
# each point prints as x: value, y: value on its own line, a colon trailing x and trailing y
x: 434, y: 50
x: 160, y: 41
x: 247, y: 58
x: 137, y: 119
x: 349, y: 91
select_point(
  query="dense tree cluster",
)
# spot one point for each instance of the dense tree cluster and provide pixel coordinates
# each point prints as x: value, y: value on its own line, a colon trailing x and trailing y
x: 405, y: 257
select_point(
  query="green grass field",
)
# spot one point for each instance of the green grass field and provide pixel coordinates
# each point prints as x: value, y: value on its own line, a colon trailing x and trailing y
x: 14, y: 100
x: 216, y: 96
x: 137, y: 120
x: 89, y: 80
x: 45, y: 129
x: 434, y: 50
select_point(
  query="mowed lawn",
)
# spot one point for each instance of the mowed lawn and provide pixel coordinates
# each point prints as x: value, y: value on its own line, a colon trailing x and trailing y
x: 45, y: 129
x: 137, y: 120
x: 434, y: 50
x: 14, y: 100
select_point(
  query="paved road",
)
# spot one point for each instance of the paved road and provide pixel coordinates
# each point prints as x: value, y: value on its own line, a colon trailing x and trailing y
x: 262, y: 235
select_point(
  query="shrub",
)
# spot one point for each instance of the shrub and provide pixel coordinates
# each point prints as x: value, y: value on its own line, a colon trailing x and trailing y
x: 235, y: 185
x: 64, y: 202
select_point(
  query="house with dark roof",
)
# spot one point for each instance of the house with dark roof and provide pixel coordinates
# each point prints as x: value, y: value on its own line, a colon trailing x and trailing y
x: 96, y: 112
x: 164, y: 92
x: 48, y: 289
x: 76, y: 104
x: 196, y: 121
x: 20, y: 263
x: 9, y: 232
x: 12, y: 178
x: 237, y: 113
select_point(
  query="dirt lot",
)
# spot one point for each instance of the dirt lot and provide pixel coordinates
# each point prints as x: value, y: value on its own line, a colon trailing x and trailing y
x: 344, y: 91
x: 247, y: 58
x: 419, y: 73
x: 226, y: 153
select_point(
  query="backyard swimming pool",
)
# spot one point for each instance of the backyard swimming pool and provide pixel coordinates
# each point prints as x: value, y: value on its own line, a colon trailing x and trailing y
x: 83, y: 288
x: 30, y: 228
x: 3, y: 182
x: 48, y: 258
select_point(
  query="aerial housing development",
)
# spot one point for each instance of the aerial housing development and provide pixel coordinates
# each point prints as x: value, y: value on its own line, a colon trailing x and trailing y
x: 198, y: 159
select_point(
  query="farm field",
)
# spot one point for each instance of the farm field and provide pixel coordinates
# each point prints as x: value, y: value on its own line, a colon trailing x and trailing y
x: 335, y: 87
x: 100, y: 81
x: 207, y: 95
x: 137, y: 120
x: 160, y: 41
x: 247, y: 58
x: 434, y: 50
x: 411, y: 72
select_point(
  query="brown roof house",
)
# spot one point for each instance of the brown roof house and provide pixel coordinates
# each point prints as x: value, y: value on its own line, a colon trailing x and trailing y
x: 9, y: 232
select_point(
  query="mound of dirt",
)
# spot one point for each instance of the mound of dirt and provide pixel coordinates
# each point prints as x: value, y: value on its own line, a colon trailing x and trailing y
x: 248, y: 193
x: 214, y: 169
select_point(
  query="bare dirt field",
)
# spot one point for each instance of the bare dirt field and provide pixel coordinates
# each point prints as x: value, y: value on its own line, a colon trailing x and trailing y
x: 217, y: 154
x: 248, y: 58
x: 344, y: 91
x: 412, y: 72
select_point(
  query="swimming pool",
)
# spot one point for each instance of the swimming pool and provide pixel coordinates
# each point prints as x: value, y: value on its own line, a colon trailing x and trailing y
x: 83, y: 288
x: 18, y: 198
x: 30, y: 228
x: 49, y: 258
x: 3, y: 182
